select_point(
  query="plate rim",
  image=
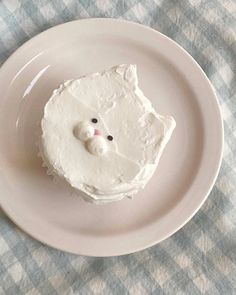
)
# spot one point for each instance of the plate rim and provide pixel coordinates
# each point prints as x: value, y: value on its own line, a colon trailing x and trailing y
x: 219, y: 158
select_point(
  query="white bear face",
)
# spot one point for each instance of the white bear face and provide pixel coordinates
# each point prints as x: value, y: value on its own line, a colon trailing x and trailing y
x: 100, y: 131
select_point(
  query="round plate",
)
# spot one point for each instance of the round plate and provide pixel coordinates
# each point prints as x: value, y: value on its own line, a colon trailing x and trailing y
x: 174, y: 83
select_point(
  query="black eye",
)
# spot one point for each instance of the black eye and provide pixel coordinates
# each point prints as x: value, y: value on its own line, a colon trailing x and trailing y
x: 109, y: 137
x: 94, y: 120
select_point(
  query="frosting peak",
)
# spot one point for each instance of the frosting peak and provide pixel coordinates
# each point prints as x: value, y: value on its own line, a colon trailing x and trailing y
x: 83, y: 131
x: 97, y: 146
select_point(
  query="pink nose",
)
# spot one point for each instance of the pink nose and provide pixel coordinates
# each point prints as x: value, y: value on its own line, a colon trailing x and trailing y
x: 97, y: 132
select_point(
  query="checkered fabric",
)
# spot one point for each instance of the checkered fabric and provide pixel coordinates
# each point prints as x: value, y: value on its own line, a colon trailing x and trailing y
x: 201, y: 257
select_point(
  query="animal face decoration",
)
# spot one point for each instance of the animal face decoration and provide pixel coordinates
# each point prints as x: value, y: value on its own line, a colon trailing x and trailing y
x: 102, y: 135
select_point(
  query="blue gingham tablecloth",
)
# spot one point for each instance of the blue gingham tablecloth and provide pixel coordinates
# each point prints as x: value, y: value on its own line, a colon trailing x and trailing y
x: 201, y: 257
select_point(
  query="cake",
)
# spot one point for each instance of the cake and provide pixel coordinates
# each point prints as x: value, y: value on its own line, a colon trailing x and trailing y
x: 102, y: 135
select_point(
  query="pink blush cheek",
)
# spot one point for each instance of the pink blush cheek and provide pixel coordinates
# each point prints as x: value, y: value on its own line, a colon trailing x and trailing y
x: 97, y: 132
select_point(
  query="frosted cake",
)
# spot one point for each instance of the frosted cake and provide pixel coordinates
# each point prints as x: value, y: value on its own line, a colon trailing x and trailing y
x: 102, y: 135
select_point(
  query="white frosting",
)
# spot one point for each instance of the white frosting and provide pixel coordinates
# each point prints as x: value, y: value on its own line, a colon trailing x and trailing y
x: 80, y: 151
x: 83, y: 131
x: 97, y: 146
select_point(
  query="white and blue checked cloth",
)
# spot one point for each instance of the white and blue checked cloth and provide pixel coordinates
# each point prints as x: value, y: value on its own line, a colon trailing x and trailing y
x: 201, y: 257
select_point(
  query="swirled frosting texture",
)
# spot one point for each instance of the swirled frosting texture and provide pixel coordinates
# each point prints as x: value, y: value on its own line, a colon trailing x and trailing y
x: 102, y: 135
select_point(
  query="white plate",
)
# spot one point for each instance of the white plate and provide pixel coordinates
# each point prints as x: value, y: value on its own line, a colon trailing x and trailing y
x: 175, y: 84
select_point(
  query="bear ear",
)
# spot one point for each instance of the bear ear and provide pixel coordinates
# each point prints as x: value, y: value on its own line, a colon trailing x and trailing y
x: 128, y: 73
